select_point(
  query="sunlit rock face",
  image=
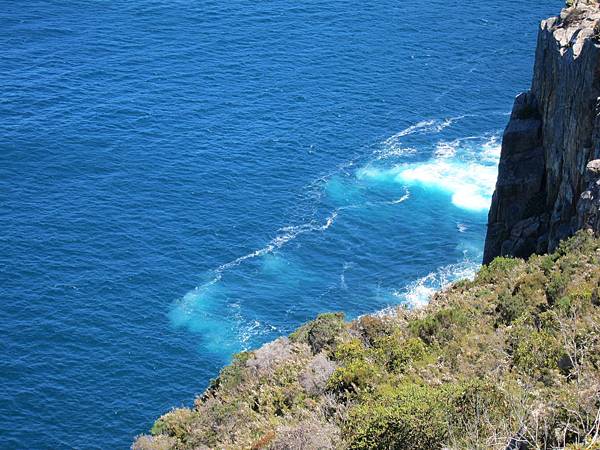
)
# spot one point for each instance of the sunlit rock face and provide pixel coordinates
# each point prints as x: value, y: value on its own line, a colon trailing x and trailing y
x: 543, y: 194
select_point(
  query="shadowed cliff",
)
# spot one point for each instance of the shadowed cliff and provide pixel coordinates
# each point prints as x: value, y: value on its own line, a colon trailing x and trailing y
x: 548, y: 176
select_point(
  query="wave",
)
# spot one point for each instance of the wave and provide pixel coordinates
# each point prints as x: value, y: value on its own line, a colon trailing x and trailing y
x: 465, y: 169
x: 393, y: 146
x: 206, y: 310
x: 419, y: 292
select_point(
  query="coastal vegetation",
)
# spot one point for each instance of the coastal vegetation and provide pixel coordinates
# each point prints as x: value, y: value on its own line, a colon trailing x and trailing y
x: 512, y: 356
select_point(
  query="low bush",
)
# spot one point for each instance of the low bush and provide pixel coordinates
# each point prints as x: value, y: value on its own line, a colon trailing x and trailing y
x: 397, y: 353
x: 321, y: 332
x: 410, y: 416
x: 536, y: 352
x: 356, y: 376
x: 176, y: 423
x: 440, y: 326
x: 373, y: 328
x: 498, y: 270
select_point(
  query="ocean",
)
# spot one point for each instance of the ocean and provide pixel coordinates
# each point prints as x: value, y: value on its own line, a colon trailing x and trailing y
x: 181, y: 181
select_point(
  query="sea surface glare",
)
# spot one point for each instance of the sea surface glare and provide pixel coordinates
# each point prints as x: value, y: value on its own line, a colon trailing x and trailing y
x: 183, y: 180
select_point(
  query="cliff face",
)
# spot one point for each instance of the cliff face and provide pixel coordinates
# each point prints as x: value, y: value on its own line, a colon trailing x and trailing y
x: 548, y: 181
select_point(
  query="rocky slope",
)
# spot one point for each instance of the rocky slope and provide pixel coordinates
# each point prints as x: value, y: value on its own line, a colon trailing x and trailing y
x: 549, y: 171
x: 510, y: 357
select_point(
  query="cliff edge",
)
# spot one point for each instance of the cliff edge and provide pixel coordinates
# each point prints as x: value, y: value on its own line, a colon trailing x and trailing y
x: 549, y: 174
x: 510, y: 360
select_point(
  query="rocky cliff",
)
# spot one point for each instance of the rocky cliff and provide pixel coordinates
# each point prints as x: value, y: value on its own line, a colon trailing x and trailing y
x: 549, y: 175
x: 509, y: 360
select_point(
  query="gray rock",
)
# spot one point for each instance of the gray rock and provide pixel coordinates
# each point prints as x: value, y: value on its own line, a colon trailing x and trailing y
x: 315, y: 376
x: 592, y: 170
x: 551, y: 146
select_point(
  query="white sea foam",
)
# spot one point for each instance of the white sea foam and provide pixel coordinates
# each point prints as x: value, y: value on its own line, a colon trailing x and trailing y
x: 446, y: 149
x: 393, y: 146
x: 196, y: 309
x: 424, y: 126
x: 401, y: 199
x: 491, y: 150
x: 395, y: 152
x: 464, y: 170
x: 419, y: 292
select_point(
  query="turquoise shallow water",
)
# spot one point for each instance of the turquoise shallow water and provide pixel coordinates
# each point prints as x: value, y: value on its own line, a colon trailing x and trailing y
x: 180, y: 181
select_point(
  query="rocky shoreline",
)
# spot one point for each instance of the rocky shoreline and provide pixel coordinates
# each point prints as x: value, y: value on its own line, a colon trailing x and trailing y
x: 510, y: 360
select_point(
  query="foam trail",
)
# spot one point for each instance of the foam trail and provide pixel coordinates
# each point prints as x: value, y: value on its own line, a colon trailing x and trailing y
x: 201, y: 309
x: 401, y: 199
x: 280, y: 240
x: 426, y: 126
x: 343, y: 284
x: 392, y: 146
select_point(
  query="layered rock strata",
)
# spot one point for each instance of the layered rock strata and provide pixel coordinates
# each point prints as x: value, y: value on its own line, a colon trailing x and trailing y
x: 547, y: 184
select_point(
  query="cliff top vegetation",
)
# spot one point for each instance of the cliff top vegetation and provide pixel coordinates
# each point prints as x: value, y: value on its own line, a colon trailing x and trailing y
x: 513, y: 355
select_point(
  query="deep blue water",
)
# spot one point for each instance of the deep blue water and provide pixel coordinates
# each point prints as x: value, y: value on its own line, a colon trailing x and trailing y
x: 182, y: 180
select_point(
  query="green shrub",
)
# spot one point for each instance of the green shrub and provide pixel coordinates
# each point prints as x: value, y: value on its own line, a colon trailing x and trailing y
x: 159, y: 442
x: 233, y: 374
x: 536, y: 352
x: 373, y: 328
x: 556, y: 287
x: 580, y: 300
x: 589, y: 445
x: 498, y: 270
x: 475, y: 401
x: 531, y: 284
x: 349, y: 351
x: 175, y: 423
x: 582, y: 242
x: 277, y: 400
x: 439, y: 326
x: 546, y: 263
x: 511, y: 307
x: 357, y: 375
x: 397, y: 353
x: 321, y: 332
x: 407, y: 417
